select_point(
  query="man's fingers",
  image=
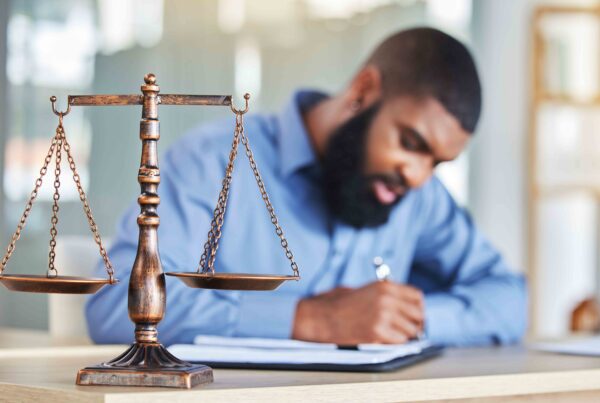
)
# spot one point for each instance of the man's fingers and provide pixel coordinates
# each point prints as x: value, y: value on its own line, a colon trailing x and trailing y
x: 408, y: 328
x: 390, y: 334
x: 412, y: 312
x: 392, y: 326
x: 406, y: 300
x: 401, y: 291
x: 407, y: 320
x: 400, y: 307
x: 411, y: 294
x: 399, y: 331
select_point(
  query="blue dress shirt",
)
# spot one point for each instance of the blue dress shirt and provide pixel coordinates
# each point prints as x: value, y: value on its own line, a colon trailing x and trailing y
x: 471, y: 295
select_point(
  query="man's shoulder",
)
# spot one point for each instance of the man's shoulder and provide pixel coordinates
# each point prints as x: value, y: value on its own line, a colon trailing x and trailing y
x: 215, y: 138
x: 431, y: 191
x: 203, y: 152
x: 432, y: 196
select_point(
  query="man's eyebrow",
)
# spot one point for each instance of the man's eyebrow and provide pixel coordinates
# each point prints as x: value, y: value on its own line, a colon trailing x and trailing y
x: 424, y: 144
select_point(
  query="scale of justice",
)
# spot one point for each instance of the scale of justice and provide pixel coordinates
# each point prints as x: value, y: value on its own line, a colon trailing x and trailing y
x: 146, y: 362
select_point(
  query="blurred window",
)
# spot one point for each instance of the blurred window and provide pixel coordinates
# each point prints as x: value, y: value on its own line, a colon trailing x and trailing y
x: 53, y: 49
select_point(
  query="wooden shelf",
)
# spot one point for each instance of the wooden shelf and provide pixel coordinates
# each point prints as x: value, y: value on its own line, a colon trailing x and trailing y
x: 567, y: 100
x: 541, y: 97
x: 559, y: 190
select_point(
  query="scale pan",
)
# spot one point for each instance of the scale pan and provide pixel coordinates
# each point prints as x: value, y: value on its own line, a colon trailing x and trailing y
x: 58, y: 284
x: 232, y: 281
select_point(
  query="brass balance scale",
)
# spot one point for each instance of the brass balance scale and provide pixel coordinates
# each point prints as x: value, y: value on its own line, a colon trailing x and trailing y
x: 146, y: 362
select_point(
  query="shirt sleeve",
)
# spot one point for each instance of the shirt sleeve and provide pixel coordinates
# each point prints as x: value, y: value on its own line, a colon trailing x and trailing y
x: 471, y: 295
x: 185, y: 214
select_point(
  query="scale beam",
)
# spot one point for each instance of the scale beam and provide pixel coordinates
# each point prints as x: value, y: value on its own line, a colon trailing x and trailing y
x: 105, y: 100
x: 164, y: 99
x: 177, y: 99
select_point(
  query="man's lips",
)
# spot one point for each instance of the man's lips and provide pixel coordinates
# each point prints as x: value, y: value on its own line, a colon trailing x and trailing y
x: 384, y: 193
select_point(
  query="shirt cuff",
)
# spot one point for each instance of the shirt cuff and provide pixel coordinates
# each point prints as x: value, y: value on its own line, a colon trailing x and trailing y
x: 266, y: 315
x: 442, y: 314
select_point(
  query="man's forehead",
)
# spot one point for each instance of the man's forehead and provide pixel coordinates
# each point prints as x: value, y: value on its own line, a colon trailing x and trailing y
x: 439, y: 128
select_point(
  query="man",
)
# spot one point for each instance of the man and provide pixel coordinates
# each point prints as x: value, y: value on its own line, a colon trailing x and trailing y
x: 351, y: 178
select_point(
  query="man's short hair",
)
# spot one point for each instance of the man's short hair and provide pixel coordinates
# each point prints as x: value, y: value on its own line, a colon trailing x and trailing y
x: 425, y: 62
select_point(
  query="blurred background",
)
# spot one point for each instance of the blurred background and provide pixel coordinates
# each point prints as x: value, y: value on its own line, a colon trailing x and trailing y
x: 531, y: 176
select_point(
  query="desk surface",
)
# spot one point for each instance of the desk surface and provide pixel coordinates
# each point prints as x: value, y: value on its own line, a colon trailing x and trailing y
x: 47, y: 373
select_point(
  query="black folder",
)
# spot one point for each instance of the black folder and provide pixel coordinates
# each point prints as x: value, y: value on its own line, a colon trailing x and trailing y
x: 386, y: 366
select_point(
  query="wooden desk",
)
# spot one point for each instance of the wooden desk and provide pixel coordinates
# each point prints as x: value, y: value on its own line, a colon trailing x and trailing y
x: 20, y: 343
x: 496, y: 374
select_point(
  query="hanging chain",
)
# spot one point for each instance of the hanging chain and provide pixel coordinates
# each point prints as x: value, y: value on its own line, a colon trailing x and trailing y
x: 28, y: 206
x: 207, y: 260
x: 210, y: 247
x: 270, y: 209
x: 59, y: 142
x: 88, y: 211
x: 52, y: 272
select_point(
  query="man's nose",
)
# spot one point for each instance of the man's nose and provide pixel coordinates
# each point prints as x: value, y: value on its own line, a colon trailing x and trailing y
x: 416, y: 170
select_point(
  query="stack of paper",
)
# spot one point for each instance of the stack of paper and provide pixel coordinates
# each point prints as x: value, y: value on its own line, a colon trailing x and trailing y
x: 283, y: 351
x: 586, y: 346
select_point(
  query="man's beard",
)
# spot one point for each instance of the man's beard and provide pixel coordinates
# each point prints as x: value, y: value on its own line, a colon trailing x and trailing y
x: 348, y: 191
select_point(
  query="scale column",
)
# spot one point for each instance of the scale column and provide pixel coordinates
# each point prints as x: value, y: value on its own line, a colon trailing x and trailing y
x: 147, y: 296
x: 147, y: 362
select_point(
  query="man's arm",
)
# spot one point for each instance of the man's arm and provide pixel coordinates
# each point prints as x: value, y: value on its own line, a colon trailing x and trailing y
x: 471, y: 295
x: 191, y: 172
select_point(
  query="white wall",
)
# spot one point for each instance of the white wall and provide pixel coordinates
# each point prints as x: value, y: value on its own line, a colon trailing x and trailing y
x: 566, y: 260
x: 4, y: 10
x: 498, y: 155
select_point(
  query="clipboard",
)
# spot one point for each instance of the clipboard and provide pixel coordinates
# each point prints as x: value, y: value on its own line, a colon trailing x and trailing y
x: 285, y: 354
x: 388, y: 366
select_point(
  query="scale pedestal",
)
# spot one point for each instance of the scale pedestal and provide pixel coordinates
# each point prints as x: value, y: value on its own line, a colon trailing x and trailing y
x: 146, y: 364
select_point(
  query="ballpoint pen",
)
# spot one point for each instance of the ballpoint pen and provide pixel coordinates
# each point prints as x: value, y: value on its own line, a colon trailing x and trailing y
x: 383, y: 272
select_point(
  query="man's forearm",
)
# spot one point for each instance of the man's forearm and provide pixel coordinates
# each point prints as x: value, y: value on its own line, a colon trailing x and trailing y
x: 492, y: 310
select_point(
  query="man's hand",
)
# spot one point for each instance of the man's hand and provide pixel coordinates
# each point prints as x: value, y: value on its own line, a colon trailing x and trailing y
x: 381, y: 312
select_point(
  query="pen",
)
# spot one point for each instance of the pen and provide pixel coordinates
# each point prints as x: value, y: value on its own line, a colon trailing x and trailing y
x: 383, y: 272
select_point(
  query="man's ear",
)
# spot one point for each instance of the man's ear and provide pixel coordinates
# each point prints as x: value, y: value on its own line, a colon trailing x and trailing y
x: 365, y: 88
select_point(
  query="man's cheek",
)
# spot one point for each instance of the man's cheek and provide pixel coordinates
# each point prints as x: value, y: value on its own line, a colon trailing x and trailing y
x: 423, y: 178
x: 381, y: 161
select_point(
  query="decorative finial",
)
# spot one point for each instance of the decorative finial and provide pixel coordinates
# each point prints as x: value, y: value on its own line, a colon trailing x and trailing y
x: 150, y: 79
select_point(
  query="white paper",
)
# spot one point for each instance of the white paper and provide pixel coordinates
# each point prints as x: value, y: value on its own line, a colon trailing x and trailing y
x: 282, y: 351
x: 587, y: 346
x: 257, y: 342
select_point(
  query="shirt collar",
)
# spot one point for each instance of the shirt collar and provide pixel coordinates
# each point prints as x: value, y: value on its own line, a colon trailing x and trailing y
x: 295, y: 149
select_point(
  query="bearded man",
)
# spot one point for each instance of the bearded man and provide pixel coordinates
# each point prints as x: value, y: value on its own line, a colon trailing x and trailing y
x: 351, y: 177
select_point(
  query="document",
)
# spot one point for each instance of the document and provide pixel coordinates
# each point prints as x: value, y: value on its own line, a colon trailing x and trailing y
x: 585, y: 346
x: 284, y: 351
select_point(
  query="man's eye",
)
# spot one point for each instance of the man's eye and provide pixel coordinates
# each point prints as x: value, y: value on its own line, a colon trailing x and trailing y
x: 410, y: 142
